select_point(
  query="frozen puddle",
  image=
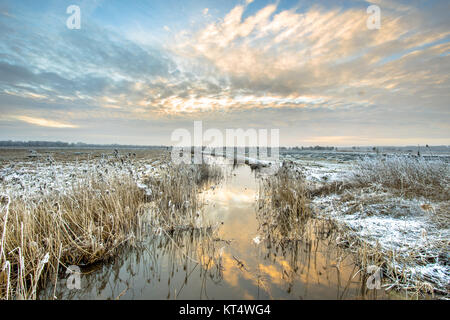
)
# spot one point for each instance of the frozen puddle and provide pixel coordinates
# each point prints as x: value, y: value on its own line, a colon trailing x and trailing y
x: 235, y: 263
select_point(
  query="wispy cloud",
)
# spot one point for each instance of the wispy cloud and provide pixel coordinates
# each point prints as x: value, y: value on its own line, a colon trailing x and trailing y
x: 314, y: 69
x: 321, y: 51
x: 45, y: 122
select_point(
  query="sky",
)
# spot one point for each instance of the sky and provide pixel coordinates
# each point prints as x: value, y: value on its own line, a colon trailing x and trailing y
x: 137, y: 70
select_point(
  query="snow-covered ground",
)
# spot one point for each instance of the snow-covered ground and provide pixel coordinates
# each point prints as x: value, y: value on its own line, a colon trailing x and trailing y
x: 399, y: 227
x: 32, y: 179
x: 322, y: 171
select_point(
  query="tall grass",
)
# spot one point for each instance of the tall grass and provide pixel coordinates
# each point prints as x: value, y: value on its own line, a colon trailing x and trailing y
x: 190, y: 253
x: 284, y: 211
x: 283, y: 203
x: 175, y: 195
x: 89, y: 221
x: 83, y: 225
x: 409, y: 176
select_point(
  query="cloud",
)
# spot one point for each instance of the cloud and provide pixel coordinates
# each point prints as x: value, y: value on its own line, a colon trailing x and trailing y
x: 317, y: 51
x: 281, y: 67
x: 79, y: 67
x: 45, y: 122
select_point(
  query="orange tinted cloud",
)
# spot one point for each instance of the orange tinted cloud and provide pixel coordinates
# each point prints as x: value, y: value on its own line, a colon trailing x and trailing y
x: 45, y: 122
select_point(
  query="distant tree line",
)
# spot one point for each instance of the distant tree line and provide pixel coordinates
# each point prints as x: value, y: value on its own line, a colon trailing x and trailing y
x: 60, y: 144
x: 410, y: 149
x: 309, y: 148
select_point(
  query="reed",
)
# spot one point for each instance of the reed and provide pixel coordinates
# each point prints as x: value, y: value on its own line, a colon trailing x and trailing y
x: 283, y: 205
x: 83, y: 225
x: 175, y: 191
x: 405, y: 175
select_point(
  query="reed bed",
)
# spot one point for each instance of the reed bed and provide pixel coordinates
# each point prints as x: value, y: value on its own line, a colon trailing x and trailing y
x: 175, y: 200
x: 405, y: 175
x: 283, y: 205
x: 87, y: 221
x: 83, y: 225
x: 192, y: 253
x: 400, y: 270
x: 287, y: 202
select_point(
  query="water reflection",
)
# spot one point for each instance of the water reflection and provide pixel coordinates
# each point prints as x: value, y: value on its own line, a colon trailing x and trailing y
x: 238, y: 261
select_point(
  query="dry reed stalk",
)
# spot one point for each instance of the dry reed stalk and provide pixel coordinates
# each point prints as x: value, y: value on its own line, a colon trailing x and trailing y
x: 84, y: 225
x: 284, y: 210
x: 408, y: 176
x: 283, y: 203
x: 175, y: 195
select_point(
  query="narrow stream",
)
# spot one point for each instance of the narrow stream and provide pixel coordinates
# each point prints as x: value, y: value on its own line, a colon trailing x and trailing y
x: 186, y: 265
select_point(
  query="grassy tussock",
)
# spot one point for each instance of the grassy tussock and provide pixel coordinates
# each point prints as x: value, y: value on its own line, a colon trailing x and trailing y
x: 283, y: 203
x: 84, y: 225
x: 336, y: 187
x: 396, y: 267
x: 411, y: 177
x: 206, y: 173
x: 175, y: 195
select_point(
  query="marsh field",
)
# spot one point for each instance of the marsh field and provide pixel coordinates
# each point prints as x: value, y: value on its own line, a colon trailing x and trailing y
x: 315, y: 225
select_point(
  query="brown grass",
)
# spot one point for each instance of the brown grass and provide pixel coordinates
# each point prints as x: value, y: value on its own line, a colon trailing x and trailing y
x: 394, y: 266
x: 17, y: 155
x: 175, y: 195
x: 283, y: 203
x: 90, y: 221
x: 284, y: 211
x: 84, y: 225
x: 406, y: 176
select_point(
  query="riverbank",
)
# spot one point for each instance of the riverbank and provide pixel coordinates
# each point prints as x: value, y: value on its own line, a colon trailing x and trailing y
x: 401, y: 228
